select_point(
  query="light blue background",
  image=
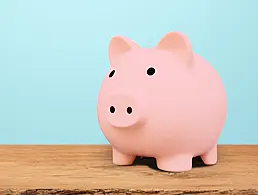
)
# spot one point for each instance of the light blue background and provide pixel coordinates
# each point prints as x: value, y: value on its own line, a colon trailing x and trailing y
x: 53, y: 57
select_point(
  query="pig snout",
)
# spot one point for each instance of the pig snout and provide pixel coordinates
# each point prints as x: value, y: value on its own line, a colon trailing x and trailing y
x: 124, y: 111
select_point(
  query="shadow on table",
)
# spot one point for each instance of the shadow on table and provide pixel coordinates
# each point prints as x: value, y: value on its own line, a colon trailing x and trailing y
x: 151, y: 162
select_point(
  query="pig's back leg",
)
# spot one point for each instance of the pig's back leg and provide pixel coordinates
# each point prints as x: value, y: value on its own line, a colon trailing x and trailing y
x: 210, y: 157
x: 121, y: 158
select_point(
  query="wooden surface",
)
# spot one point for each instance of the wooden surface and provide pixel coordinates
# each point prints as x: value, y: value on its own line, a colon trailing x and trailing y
x: 89, y: 170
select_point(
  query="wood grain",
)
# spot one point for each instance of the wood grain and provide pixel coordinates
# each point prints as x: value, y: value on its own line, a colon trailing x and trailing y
x: 75, y: 169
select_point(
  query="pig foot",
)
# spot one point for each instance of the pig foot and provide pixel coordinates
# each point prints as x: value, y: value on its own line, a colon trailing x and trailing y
x: 177, y: 163
x: 122, y: 159
x: 210, y: 157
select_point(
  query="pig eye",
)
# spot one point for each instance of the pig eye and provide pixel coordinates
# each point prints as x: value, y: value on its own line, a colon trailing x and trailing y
x: 151, y: 71
x: 111, y: 73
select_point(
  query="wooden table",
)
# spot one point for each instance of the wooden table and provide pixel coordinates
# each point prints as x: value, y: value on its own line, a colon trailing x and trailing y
x: 75, y: 169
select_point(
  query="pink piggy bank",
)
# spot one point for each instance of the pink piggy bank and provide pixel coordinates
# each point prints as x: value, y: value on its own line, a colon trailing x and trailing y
x: 165, y: 102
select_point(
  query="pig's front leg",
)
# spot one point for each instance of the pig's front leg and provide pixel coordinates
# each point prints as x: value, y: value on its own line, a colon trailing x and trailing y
x: 122, y: 159
x: 176, y: 163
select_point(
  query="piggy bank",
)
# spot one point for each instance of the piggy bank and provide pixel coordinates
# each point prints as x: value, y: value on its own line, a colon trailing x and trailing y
x: 165, y: 102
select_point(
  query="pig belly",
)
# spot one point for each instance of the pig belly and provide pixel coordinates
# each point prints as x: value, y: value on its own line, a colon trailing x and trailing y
x: 155, y: 146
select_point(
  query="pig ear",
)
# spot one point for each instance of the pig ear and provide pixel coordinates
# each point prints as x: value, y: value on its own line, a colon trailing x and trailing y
x: 178, y: 44
x: 118, y: 46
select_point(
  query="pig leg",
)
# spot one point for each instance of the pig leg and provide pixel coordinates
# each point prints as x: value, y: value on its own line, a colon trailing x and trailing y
x: 122, y: 159
x: 210, y: 157
x: 176, y: 163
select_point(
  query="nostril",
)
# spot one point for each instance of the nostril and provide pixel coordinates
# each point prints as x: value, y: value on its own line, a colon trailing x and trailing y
x: 129, y: 110
x: 112, y: 109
